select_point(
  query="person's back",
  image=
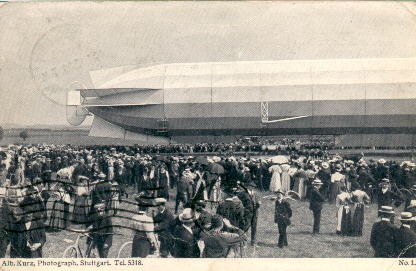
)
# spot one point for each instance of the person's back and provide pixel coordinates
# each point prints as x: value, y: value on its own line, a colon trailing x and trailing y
x: 382, y: 239
x: 218, y: 244
x: 316, y: 200
x: 405, y: 242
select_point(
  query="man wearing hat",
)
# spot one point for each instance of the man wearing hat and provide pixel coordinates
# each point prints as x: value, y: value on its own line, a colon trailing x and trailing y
x: 315, y: 205
x: 162, y: 220
x: 282, y: 215
x: 386, y: 197
x: 405, y: 237
x: 232, y: 209
x: 101, y: 228
x: 382, y: 171
x: 216, y: 242
x: 185, y: 243
x: 102, y: 192
x: 382, y: 234
x: 33, y: 237
x: 324, y: 174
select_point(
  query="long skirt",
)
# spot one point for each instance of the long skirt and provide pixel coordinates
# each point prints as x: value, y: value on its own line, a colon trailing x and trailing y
x: 334, y: 190
x: 285, y: 181
x: 115, y: 204
x: 81, y: 210
x: 344, y: 220
x: 275, y: 183
x: 300, y: 187
x: 358, y: 220
x: 59, y: 215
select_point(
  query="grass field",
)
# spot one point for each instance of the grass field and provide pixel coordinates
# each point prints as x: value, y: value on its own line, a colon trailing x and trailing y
x: 301, y: 242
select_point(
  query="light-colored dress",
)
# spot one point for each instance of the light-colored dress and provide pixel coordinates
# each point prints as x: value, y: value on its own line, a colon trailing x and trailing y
x: 285, y: 177
x: 275, y: 182
x: 343, y: 202
x: 299, y: 185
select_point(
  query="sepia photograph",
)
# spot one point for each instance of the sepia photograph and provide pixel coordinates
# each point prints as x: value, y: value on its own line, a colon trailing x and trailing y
x: 133, y: 130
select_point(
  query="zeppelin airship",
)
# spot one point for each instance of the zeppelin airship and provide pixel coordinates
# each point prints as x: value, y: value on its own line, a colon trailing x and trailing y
x: 190, y: 102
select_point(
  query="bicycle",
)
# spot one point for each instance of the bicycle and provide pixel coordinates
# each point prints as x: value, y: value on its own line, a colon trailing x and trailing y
x: 75, y: 251
x: 126, y: 248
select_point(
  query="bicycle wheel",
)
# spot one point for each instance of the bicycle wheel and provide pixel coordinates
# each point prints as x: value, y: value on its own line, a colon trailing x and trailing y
x: 70, y: 252
x: 125, y: 250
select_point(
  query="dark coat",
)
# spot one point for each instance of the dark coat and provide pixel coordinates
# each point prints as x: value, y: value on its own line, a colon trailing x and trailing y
x: 316, y: 200
x: 388, y: 198
x: 382, y: 239
x: 184, y: 187
x: 404, y: 239
x: 185, y: 244
x: 102, y: 192
x: 282, y: 212
x: 36, y: 234
x: 162, y: 222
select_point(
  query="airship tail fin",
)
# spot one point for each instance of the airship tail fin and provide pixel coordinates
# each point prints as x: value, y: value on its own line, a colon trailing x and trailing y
x: 103, y: 128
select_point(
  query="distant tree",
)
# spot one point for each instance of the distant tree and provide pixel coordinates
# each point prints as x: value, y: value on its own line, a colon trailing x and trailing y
x: 24, y: 135
x: 1, y: 133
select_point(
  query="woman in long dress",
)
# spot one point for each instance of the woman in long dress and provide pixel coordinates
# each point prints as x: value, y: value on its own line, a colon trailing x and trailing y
x: 359, y: 199
x: 300, y: 180
x: 285, y: 177
x: 343, y: 202
x: 275, y: 182
x: 337, y: 181
x: 60, y: 210
x: 81, y: 210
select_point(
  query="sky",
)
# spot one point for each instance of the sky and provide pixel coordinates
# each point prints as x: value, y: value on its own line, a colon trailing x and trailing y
x: 48, y: 48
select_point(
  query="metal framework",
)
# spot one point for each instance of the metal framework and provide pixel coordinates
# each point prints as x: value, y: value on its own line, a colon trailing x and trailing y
x: 264, y: 107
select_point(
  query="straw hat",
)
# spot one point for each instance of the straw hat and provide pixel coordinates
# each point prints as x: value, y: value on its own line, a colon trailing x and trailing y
x: 407, y: 216
x: 317, y: 182
x: 386, y: 210
x: 186, y: 215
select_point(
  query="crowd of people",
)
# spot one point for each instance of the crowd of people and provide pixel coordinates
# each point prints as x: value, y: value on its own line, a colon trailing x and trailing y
x: 54, y: 188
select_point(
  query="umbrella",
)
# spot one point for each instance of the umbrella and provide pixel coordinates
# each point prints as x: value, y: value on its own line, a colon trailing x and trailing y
x: 280, y: 159
x: 216, y: 168
x: 202, y: 160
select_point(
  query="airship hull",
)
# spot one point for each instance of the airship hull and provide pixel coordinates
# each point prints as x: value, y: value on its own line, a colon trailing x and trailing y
x: 197, y: 100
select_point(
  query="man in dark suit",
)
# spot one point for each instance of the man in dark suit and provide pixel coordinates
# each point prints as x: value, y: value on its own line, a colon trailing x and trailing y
x: 102, y: 192
x: 387, y: 197
x: 282, y: 215
x: 101, y: 229
x: 382, y: 234
x: 185, y: 243
x: 316, y: 204
x: 405, y: 238
x: 162, y: 221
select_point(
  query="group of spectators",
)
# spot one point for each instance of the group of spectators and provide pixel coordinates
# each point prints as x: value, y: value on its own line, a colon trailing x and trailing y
x: 53, y: 188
